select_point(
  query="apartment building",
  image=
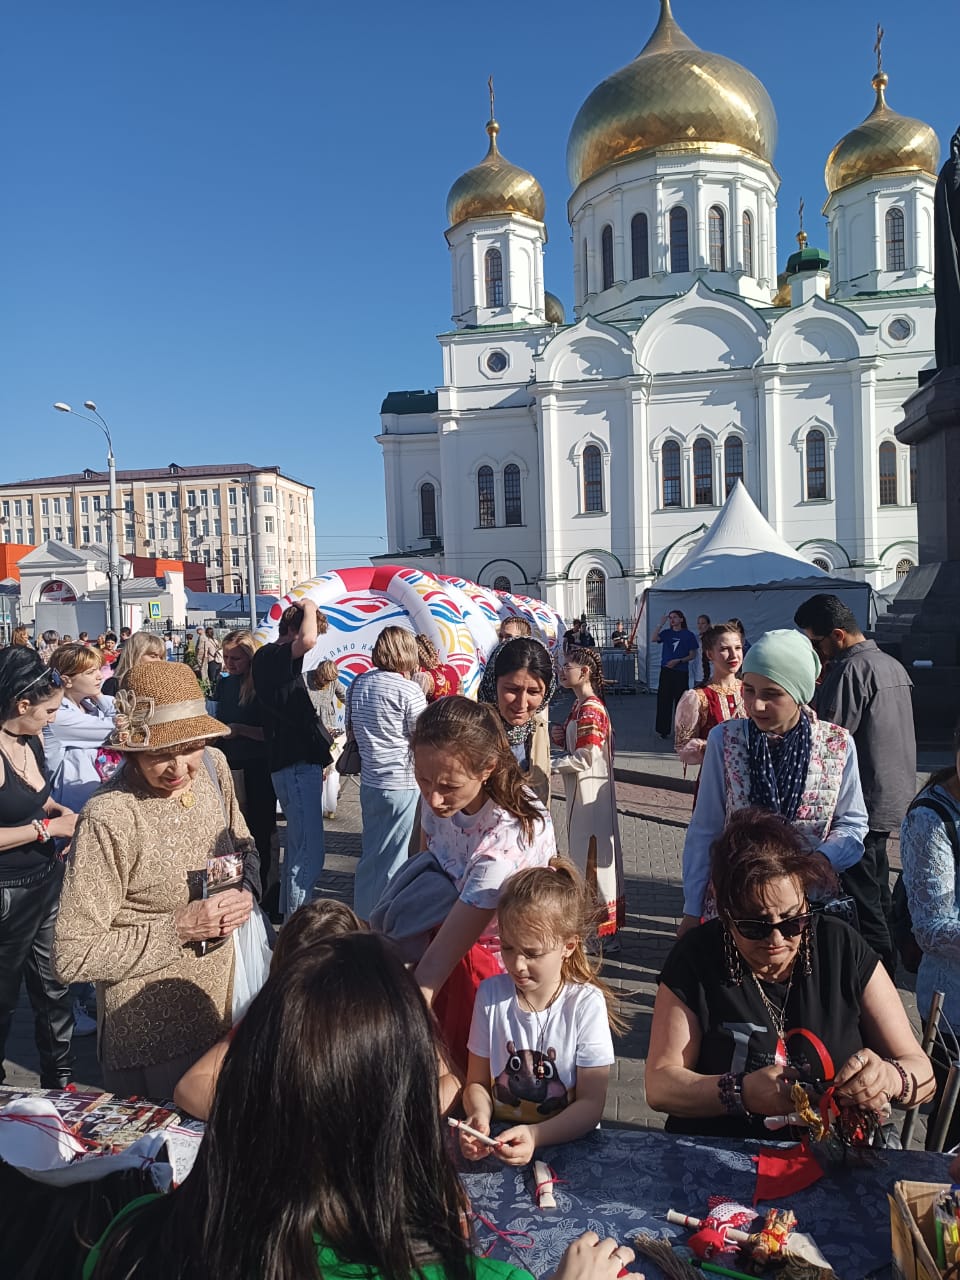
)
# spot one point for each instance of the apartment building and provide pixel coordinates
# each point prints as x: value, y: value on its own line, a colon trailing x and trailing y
x: 177, y: 512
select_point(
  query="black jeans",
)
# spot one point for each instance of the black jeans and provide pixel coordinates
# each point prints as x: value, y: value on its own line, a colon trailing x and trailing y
x: 673, y: 685
x: 260, y: 810
x: 27, y: 916
x: 868, y: 883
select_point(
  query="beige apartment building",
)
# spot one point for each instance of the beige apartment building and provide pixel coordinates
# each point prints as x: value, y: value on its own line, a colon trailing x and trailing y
x: 178, y: 513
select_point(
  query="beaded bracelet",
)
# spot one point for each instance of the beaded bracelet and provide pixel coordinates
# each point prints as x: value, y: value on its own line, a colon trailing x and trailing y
x: 730, y: 1088
x: 904, y: 1082
x: 40, y: 825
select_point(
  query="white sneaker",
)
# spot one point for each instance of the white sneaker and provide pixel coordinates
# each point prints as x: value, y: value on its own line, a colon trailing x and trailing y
x: 83, y: 1024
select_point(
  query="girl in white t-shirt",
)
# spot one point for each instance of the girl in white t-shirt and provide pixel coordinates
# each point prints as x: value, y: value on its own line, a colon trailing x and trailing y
x: 540, y: 1043
x: 482, y: 823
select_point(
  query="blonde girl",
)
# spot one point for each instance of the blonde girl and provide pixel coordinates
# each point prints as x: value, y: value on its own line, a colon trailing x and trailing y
x: 593, y: 831
x: 540, y: 1042
x: 144, y: 646
x: 481, y: 823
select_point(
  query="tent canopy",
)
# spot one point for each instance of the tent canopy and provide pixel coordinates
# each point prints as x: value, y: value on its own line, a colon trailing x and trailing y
x: 740, y: 568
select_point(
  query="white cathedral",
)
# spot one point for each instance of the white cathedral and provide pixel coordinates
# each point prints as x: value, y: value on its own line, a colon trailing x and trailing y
x: 579, y: 461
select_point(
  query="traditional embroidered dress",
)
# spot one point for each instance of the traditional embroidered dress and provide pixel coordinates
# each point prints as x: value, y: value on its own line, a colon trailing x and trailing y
x: 830, y: 814
x: 697, y: 712
x: 593, y: 832
x: 446, y: 681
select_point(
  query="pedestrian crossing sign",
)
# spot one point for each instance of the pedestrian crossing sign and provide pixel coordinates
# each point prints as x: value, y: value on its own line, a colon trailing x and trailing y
x: 154, y: 608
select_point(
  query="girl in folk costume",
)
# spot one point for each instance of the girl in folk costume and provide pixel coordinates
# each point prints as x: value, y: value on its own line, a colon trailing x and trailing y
x: 437, y: 679
x: 782, y: 759
x: 712, y: 703
x: 593, y: 832
x: 540, y: 1043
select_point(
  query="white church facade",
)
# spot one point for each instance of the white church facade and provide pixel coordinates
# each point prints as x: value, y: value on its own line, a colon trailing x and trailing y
x: 578, y: 461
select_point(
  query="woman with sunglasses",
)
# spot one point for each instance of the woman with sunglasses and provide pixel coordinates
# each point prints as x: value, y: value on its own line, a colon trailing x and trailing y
x: 30, y: 871
x: 770, y: 993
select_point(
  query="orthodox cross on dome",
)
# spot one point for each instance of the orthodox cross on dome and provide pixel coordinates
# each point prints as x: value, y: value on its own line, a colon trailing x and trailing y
x: 490, y: 87
x: 878, y: 49
x: 801, y: 234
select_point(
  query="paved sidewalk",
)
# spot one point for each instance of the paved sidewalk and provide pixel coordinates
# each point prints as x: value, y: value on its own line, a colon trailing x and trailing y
x: 653, y: 819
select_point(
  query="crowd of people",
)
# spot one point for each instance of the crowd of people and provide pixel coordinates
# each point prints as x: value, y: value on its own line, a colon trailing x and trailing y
x: 467, y: 977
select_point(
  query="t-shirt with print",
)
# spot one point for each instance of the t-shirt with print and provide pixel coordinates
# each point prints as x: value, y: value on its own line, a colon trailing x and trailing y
x: 534, y: 1056
x: 479, y: 851
x: 676, y: 644
x: 822, y: 1025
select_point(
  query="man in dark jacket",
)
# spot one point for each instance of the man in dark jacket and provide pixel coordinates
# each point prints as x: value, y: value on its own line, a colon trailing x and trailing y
x: 867, y: 692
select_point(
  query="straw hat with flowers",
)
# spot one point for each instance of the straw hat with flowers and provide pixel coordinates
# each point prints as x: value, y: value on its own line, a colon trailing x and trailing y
x: 161, y: 706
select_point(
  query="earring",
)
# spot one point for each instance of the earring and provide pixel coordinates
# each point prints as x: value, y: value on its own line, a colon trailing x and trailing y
x: 806, y: 953
x: 731, y: 958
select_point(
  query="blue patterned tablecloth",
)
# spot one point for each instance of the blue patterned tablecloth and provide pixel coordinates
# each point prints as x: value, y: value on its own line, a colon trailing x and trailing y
x: 622, y: 1182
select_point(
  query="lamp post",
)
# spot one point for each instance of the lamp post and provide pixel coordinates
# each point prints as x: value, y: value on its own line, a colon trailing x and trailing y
x: 251, y: 569
x: 113, y: 553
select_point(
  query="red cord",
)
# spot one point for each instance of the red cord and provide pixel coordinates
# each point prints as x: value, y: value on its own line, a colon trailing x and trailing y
x: 513, y: 1239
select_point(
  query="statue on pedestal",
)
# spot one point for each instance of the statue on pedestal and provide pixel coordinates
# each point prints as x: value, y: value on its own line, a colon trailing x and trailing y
x: 947, y: 260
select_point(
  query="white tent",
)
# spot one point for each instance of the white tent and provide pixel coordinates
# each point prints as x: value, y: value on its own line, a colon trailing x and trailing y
x: 740, y: 568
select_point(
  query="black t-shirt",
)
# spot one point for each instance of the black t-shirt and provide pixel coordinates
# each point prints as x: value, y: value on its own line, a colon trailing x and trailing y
x: 20, y: 804
x: 239, y: 751
x: 290, y: 723
x: 822, y: 1025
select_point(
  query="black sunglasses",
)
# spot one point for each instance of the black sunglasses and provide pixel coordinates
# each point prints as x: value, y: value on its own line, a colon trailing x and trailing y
x: 48, y: 673
x: 759, y: 930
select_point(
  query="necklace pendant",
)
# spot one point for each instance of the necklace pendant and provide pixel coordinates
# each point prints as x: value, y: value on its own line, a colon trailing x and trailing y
x: 188, y: 800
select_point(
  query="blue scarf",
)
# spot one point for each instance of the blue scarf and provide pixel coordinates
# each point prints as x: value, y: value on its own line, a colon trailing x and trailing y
x: 778, y: 771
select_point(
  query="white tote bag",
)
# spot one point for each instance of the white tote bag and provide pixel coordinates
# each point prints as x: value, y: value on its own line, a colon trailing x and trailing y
x: 252, y: 954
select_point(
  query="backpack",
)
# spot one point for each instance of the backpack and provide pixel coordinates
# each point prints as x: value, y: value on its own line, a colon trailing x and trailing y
x: 901, y: 923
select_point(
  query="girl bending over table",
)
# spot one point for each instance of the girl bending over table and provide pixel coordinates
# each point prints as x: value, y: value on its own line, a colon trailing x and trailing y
x: 482, y: 823
x: 540, y: 1043
x: 770, y: 993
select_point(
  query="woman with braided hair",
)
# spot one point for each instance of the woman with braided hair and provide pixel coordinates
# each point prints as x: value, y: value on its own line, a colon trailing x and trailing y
x: 593, y: 832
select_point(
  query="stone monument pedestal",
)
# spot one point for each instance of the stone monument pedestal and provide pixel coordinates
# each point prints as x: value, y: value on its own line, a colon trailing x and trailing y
x: 923, y: 624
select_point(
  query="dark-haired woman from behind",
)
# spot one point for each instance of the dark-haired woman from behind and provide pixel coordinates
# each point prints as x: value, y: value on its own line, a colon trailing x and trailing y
x: 331, y: 1079
x: 30, y: 872
x: 771, y: 992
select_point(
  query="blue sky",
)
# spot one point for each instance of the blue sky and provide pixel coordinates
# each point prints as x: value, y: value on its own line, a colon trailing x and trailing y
x: 224, y: 219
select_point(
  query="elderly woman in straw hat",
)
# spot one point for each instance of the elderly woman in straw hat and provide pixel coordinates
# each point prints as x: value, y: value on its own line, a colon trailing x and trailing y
x: 132, y: 917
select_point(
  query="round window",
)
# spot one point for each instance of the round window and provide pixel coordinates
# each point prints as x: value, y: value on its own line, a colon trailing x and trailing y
x: 899, y: 329
x: 497, y: 361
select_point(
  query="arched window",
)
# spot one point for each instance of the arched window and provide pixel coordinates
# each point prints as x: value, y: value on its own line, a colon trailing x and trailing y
x: 493, y: 274
x: 903, y: 568
x: 512, y: 512
x: 732, y: 463
x: 592, y: 479
x: 816, y: 465
x: 488, y: 510
x: 894, y: 228
x: 913, y: 474
x: 670, y: 466
x: 428, y: 510
x: 639, y: 247
x: 825, y: 565
x: 888, y: 474
x: 501, y: 583
x: 702, y: 473
x: 596, y: 593
x: 717, y: 235
x: 606, y: 256
x: 679, y: 245
x: 747, y: 222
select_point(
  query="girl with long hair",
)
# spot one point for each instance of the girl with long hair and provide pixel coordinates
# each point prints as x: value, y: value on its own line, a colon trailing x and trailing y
x: 143, y: 646
x: 678, y: 649
x: 593, y: 830
x: 332, y: 1079
x: 519, y: 680
x: 540, y: 1043
x: 481, y: 823
x: 715, y: 701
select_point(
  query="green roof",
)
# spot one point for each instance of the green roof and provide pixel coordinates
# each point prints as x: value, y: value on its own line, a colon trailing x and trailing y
x: 410, y: 402
x: 807, y: 259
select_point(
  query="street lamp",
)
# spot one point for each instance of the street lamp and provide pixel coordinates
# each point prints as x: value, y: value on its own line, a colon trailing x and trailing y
x: 251, y: 571
x: 113, y: 554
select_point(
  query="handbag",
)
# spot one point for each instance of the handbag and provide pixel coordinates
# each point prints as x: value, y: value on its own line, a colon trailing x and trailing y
x: 348, y: 762
x: 252, y: 956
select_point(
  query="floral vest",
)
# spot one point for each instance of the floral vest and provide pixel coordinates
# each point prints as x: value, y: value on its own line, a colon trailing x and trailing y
x: 828, y: 755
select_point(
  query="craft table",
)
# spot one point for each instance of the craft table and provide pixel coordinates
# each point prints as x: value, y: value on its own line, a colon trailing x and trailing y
x: 622, y: 1182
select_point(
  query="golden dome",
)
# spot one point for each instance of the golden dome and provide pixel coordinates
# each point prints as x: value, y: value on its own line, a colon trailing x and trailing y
x: 885, y: 142
x: 553, y: 311
x: 672, y: 95
x: 494, y: 186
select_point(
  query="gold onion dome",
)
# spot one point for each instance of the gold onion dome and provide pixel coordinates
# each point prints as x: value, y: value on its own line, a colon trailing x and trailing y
x: 886, y: 142
x: 494, y: 186
x: 672, y: 95
x: 553, y: 311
